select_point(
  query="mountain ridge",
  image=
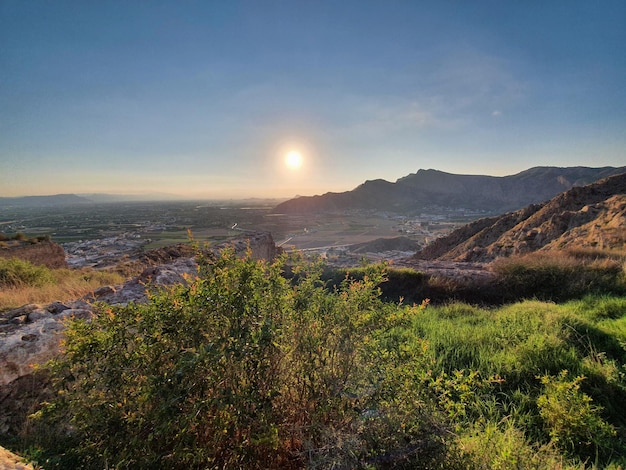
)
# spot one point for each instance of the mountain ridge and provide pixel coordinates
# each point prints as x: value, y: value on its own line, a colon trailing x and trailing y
x: 433, y: 188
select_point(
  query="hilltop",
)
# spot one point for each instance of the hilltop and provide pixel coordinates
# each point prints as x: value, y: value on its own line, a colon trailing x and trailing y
x: 588, y: 217
x: 433, y: 189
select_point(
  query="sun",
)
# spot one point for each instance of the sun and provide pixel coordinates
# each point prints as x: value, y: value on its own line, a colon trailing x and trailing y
x: 293, y: 160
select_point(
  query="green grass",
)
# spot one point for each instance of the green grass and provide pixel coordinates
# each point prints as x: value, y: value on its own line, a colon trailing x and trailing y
x: 522, y: 344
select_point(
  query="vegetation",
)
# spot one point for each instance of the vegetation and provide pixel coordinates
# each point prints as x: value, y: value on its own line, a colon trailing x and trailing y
x: 562, y: 276
x: 22, y: 282
x: 17, y: 273
x: 553, y: 277
x: 245, y: 367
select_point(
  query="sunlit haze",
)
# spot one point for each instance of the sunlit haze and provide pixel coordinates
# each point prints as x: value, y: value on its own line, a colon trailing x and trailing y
x: 208, y: 99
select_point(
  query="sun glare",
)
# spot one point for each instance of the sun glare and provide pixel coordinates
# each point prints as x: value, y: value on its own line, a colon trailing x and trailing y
x: 293, y: 160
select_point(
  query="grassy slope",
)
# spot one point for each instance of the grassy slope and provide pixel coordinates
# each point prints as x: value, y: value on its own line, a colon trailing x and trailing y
x: 524, y: 348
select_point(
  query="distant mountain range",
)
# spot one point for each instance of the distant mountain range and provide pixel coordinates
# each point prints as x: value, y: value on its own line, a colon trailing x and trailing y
x: 592, y: 216
x: 41, y: 201
x: 432, y: 189
x: 75, y: 199
x: 103, y: 198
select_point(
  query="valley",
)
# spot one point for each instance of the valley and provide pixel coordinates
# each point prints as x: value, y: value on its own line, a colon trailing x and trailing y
x: 99, y: 234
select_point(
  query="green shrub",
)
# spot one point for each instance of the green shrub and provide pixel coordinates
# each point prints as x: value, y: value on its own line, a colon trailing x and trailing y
x: 572, y: 421
x: 502, y: 445
x: 15, y: 272
x: 242, y: 368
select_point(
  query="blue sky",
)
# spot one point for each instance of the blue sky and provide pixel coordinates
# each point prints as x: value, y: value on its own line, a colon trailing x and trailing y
x: 205, y: 98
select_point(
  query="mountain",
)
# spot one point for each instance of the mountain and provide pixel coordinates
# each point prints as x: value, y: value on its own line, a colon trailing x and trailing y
x: 592, y: 216
x: 39, y: 201
x: 437, y: 189
x: 73, y: 199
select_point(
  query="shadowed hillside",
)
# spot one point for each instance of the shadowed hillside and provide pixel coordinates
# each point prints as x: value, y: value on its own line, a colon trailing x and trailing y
x: 592, y: 216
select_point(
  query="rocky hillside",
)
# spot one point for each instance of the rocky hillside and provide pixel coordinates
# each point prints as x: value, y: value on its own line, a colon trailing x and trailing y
x: 432, y: 189
x: 592, y: 216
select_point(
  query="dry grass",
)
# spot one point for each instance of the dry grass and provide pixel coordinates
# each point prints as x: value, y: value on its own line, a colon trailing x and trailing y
x: 562, y: 275
x: 69, y: 285
x: 572, y: 259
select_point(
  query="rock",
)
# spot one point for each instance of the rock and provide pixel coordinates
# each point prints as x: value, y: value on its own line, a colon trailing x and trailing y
x: 19, y: 320
x: 17, y: 355
x: 103, y: 291
x: 37, y: 315
x: 106, y: 251
x: 56, y: 307
x: 23, y: 310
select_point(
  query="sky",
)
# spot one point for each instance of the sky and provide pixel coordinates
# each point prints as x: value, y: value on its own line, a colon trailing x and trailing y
x: 204, y: 99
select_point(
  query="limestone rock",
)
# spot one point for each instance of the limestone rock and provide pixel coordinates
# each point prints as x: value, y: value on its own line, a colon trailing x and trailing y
x: 35, y: 342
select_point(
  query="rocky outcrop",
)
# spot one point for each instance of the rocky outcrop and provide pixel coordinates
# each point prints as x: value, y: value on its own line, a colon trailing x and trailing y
x: 104, y: 252
x: 592, y: 216
x: 261, y: 245
x: 43, y: 253
x: 31, y: 335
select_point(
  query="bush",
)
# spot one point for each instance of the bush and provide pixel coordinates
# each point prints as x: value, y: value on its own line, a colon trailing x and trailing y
x: 15, y: 273
x: 572, y: 421
x: 242, y: 368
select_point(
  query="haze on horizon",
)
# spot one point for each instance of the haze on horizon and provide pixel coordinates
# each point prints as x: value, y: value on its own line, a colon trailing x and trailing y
x: 212, y: 99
